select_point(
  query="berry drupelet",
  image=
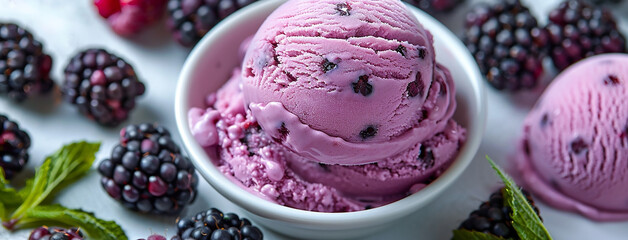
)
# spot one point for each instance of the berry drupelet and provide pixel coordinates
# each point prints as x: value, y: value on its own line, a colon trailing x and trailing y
x: 214, y: 225
x: 55, y: 233
x: 147, y: 172
x: 190, y: 20
x: 435, y: 5
x: 102, y: 86
x: 507, y: 43
x: 24, y: 67
x: 578, y: 30
x: 14, y: 144
x: 493, y: 217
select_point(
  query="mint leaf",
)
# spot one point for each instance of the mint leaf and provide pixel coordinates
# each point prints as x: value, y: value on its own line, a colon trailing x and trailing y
x: 65, y: 166
x: 464, y: 234
x: 94, y: 227
x: 525, y: 221
x: 9, y: 198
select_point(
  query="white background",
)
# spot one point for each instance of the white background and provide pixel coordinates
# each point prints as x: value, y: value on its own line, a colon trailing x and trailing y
x: 68, y: 26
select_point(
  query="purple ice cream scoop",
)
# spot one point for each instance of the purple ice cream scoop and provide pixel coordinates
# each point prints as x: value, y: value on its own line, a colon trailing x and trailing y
x: 574, y: 150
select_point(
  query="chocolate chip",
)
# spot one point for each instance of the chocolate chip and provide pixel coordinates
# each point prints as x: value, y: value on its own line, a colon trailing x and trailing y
x: 328, y: 66
x: 401, y: 50
x: 422, y: 52
x: 343, y: 9
x: 579, y: 146
x: 362, y: 86
x: 611, y: 79
x: 415, y: 88
x: 426, y: 156
x: 368, y: 132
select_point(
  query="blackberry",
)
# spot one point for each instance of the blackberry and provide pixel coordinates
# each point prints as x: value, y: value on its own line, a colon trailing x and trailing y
x: 493, y: 217
x: 55, y: 233
x: 578, y: 30
x: 435, y: 5
x: 14, y: 144
x: 24, y: 67
x: 507, y: 43
x: 190, y: 20
x: 147, y: 172
x: 102, y: 86
x: 214, y: 225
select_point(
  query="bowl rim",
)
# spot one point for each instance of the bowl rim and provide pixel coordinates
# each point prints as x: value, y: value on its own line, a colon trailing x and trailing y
x: 267, y: 209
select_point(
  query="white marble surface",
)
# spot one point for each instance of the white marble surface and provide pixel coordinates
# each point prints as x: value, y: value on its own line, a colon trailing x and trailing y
x: 68, y: 26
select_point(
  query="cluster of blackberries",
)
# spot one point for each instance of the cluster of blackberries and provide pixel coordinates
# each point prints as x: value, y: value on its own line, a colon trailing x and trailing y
x: 147, y: 172
x: 24, y: 67
x: 102, y: 86
x: 509, y: 45
x: 14, y: 144
x: 493, y: 217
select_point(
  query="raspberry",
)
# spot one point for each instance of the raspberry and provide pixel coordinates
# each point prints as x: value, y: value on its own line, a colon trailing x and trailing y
x: 147, y: 173
x: 55, y: 233
x: 435, y: 5
x: 14, y: 144
x: 578, y: 30
x: 128, y: 17
x: 213, y: 224
x: 102, y: 86
x: 24, y: 67
x: 507, y: 44
x: 493, y: 217
x: 190, y: 20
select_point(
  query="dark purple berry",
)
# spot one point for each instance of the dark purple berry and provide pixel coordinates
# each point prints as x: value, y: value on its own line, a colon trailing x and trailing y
x: 151, y: 175
x: 507, y: 43
x: 14, y: 144
x: 190, y: 20
x: 368, y: 132
x: 578, y: 30
x: 55, y: 233
x: 343, y: 9
x: 328, y: 66
x: 493, y: 217
x: 24, y: 67
x: 362, y: 86
x: 213, y: 224
x: 104, y: 90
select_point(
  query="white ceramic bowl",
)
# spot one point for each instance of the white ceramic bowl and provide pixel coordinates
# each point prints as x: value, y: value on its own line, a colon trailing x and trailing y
x: 210, y: 65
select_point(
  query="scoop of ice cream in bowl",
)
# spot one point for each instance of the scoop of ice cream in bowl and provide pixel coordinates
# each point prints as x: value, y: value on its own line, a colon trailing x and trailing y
x: 335, y: 117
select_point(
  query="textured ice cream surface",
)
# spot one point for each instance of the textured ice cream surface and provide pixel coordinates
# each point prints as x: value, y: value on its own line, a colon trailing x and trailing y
x: 348, y: 73
x: 257, y: 162
x: 574, y: 151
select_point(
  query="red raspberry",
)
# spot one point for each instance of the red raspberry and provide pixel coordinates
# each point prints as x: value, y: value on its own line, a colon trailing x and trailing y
x: 128, y: 17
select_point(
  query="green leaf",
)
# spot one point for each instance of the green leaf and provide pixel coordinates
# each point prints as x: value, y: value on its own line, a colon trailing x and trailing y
x: 64, y: 167
x: 8, y: 195
x: 525, y: 221
x: 463, y: 234
x: 94, y: 227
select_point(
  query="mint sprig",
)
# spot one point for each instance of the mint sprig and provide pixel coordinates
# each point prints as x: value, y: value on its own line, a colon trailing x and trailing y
x: 96, y: 228
x: 524, y: 219
x: 60, y: 169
